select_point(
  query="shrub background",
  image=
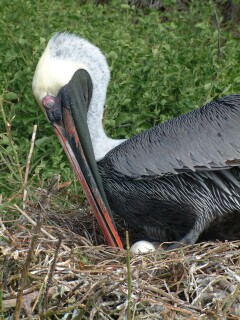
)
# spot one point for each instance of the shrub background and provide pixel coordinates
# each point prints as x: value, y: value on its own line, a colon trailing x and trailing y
x: 164, y: 61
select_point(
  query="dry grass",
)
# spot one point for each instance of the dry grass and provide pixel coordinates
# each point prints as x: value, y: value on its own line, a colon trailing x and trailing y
x: 68, y: 277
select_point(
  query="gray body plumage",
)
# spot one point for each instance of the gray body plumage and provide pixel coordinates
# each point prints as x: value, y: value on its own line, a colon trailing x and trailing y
x: 175, y: 179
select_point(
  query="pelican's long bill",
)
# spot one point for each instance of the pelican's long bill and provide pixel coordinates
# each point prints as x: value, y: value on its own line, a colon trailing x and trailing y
x: 67, y: 113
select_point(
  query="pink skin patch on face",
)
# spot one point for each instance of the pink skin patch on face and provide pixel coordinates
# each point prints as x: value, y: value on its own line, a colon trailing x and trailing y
x: 48, y: 101
x: 53, y: 108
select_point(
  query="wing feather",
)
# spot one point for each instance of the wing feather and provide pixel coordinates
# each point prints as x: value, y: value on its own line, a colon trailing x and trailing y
x: 204, y: 139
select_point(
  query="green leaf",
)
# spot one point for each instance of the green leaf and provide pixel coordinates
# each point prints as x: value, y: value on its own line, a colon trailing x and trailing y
x: 11, y: 96
x: 207, y: 86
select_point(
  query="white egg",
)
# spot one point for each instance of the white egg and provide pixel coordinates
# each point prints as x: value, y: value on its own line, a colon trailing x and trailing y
x: 141, y: 247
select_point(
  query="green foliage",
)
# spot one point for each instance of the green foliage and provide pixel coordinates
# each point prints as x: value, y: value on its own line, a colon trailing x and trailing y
x: 163, y: 63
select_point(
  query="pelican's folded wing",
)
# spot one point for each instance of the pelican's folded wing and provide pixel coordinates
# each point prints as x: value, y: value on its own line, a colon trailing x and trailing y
x: 204, y: 139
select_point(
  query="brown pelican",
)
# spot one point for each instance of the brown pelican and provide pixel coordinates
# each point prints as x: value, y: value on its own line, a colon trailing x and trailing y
x: 171, y: 181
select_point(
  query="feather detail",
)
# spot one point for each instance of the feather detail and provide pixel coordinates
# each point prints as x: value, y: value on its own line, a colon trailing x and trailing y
x: 204, y: 139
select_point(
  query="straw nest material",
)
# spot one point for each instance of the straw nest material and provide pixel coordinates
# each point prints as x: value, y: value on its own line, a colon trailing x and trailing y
x: 51, y: 272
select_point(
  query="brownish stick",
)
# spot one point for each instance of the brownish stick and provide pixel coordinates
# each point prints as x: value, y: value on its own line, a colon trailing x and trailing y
x: 28, y: 165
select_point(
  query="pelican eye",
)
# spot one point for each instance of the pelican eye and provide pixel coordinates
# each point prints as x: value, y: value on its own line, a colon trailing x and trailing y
x: 48, y: 101
x: 49, y: 105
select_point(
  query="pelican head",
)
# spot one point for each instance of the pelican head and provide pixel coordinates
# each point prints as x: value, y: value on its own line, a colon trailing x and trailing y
x: 64, y: 55
x: 70, y: 85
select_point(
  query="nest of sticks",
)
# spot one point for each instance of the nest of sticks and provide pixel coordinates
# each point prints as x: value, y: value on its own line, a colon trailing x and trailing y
x: 55, y: 267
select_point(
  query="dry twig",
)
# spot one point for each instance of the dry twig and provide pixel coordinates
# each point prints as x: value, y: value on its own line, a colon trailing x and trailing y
x: 28, y: 165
